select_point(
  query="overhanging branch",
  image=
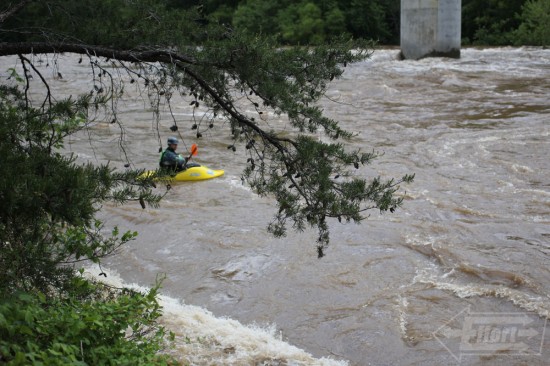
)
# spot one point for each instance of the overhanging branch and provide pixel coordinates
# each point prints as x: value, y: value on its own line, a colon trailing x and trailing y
x: 166, y: 56
x: 12, y: 9
x: 163, y: 56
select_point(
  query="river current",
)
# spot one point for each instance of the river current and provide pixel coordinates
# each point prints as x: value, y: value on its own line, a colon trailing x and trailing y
x: 459, y: 275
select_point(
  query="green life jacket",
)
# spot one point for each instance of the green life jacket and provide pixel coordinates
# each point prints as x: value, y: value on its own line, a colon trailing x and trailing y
x: 179, y: 161
x: 162, y: 157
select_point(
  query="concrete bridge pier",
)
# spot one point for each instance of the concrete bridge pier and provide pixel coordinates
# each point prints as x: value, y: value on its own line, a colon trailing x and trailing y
x: 430, y: 28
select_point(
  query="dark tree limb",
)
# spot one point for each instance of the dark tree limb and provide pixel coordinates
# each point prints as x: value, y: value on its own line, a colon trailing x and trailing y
x: 12, y: 9
x: 164, y: 56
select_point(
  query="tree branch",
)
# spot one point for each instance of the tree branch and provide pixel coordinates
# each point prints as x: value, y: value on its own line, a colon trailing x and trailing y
x: 11, y: 10
x: 166, y: 56
x: 163, y: 56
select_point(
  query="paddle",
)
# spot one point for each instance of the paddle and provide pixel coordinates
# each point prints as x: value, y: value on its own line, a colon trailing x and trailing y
x: 194, y: 152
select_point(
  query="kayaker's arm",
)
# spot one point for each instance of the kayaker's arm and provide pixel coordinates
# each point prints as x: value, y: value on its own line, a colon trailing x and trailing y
x: 194, y: 152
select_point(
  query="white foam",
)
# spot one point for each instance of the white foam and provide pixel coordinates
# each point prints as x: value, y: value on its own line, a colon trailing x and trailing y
x: 236, y: 182
x: 403, y: 323
x: 537, y: 191
x: 539, y: 305
x: 204, y: 339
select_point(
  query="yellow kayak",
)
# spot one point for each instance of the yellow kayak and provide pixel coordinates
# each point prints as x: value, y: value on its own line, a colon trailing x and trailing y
x: 198, y: 173
x: 193, y: 173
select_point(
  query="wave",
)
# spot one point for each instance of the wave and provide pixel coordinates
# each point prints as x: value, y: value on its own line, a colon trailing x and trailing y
x: 204, y: 339
x: 537, y: 304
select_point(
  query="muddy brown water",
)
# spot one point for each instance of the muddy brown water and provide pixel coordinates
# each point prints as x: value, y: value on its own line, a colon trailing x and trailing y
x: 471, y: 243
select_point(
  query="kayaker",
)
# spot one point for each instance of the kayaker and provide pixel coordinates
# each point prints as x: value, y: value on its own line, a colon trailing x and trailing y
x: 170, y: 159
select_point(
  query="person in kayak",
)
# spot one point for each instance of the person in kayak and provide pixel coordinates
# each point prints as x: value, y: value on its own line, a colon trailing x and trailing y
x: 170, y: 159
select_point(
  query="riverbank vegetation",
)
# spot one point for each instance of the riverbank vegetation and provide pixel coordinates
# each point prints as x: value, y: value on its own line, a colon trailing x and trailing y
x: 49, y: 313
x: 484, y: 22
x: 506, y: 22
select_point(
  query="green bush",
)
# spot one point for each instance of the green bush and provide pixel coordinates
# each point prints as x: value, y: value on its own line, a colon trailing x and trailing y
x: 535, y: 27
x: 302, y: 23
x: 101, y: 327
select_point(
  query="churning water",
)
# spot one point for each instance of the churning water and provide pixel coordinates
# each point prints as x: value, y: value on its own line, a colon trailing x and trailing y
x: 422, y: 286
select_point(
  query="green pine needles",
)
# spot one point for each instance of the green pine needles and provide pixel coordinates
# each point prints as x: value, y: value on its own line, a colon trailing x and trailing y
x: 49, y: 201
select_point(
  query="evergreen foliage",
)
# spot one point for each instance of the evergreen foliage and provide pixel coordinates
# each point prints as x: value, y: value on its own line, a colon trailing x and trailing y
x: 535, y: 24
x: 48, y: 200
x: 369, y: 18
x: 314, y: 21
x: 490, y: 22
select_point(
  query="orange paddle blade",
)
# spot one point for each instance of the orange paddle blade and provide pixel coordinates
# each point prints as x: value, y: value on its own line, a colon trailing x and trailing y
x: 194, y: 150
